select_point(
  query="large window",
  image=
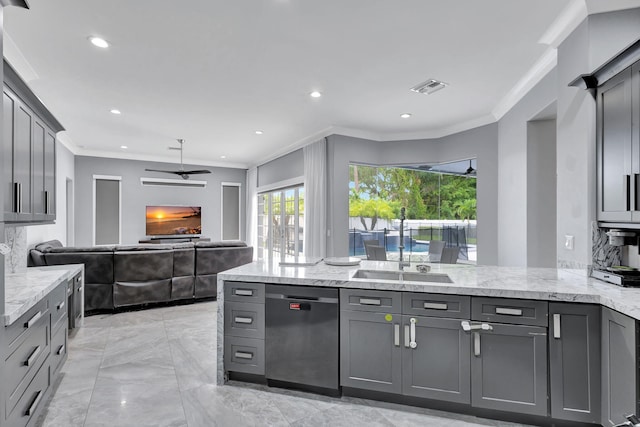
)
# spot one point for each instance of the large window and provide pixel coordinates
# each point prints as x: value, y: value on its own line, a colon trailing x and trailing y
x: 280, y: 223
x: 440, y: 202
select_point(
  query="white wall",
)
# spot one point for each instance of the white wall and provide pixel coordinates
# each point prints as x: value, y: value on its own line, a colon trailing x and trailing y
x: 65, y: 169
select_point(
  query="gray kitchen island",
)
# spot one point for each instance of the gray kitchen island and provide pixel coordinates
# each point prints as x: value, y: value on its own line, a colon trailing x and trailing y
x: 547, y: 344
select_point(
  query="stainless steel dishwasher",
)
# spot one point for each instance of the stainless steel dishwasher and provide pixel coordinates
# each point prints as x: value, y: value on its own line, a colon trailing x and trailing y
x: 302, y: 338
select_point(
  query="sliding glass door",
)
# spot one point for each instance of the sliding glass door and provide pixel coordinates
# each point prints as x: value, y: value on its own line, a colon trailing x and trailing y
x: 280, y: 223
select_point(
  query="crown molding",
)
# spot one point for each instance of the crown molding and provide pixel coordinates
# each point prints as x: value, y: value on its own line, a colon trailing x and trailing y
x: 565, y: 23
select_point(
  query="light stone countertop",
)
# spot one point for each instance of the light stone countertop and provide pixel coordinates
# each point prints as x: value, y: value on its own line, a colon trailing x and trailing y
x: 26, y: 287
x: 491, y: 281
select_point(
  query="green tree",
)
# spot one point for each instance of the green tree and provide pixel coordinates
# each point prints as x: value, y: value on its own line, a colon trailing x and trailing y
x: 371, y: 208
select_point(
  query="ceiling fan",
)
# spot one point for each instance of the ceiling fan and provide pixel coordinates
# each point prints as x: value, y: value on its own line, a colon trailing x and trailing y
x: 470, y: 170
x: 183, y: 173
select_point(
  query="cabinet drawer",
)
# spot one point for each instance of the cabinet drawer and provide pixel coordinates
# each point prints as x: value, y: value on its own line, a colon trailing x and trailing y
x: 59, y: 306
x: 24, y: 362
x: 514, y: 311
x: 368, y: 300
x: 58, y: 350
x: 243, y: 319
x: 436, y: 305
x: 28, y: 321
x: 244, y: 292
x: 31, y: 401
x: 244, y: 355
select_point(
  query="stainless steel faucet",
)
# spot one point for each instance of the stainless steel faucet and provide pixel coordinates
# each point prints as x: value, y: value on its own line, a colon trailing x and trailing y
x: 401, y: 263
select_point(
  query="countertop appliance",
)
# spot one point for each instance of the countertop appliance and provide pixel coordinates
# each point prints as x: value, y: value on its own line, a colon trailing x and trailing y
x: 620, y: 278
x: 301, y: 338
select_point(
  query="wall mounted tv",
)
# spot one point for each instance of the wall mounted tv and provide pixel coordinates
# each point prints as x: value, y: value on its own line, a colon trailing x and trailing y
x: 173, y: 221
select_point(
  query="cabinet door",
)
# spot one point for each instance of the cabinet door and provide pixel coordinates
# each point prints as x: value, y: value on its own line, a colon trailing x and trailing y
x: 37, y: 158
x: 614, y: 149
x: 8, y: 104
x: 509, y: 369
x: 618, y: 367
x: 370, y: 351
x: 439, y: 365
x: 635, y: 138
x: 22, y: 137
x: 50, y: 175
x: 574, y: 362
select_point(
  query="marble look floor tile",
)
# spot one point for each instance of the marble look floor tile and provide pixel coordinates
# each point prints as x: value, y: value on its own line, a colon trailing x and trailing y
x: 194, y: 361
x: 137, y: 343
x: 131, y: 319
x: 345, y: 416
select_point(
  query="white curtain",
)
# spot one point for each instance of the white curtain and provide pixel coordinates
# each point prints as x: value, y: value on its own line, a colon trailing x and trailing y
x: 252, y: 210
x: 315, y: 200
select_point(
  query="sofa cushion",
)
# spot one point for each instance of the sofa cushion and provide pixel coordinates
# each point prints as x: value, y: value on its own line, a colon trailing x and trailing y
x: 98, y: 266
x: 143, y: 247
x: 222, y: 244
x: 182, y: 287
x: 206, y: 286
x: 184, y: 261
x: 183, y: 245
x: 216, y: 259
x: 62, y: 250
x: 45, y: 246
x: 137, y: 266
x: 98, y: 296
x: 134, y: 293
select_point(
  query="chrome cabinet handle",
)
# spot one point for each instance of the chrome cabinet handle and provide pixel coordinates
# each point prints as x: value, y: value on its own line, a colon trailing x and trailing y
x: 476, y: 344
x: 396, y: 335
x: 60, y: 350
x: 246, y: 320
x: 436, y: 306
x: 47, y: 207
x: 509, y: 311
x: 60, y: 306
x: 468, y: 326
x: 244, y: 355
x: 627, y: 190
x: 370, y: 301
x: 243, y: 292
x: 406, y: 336
x: 33, y: 320
x: 33, y: 357
x: 412, y: 342
x: 16, y: 197
x: 34, y: 405
x: 556, y: 326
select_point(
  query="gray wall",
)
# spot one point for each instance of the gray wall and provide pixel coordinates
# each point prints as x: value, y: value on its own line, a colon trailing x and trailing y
x: 281, y: 169
x: 135, y: 196
x: 541, y: 193
x: 512, y: 175
x: 480, y: 143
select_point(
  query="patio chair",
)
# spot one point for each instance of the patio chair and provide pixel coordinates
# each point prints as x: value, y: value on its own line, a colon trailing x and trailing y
x: 377, y: 253
x: 435, y: 250
x: 367, y: 244
x: 450, y: 255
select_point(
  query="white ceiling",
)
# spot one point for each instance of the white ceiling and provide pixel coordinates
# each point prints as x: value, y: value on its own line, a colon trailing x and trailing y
x: 215, y: 71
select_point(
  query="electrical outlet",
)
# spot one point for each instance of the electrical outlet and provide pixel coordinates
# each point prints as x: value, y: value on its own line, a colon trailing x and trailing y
x: 568, y: 242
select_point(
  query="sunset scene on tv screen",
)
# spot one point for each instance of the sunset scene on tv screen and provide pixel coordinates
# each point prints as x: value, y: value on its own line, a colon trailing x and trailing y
x: 172, y: 220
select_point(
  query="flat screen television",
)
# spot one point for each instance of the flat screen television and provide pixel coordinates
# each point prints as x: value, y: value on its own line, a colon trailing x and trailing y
x: 166, y: 221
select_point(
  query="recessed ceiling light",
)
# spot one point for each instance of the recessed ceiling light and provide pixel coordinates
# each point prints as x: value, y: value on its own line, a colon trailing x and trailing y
x: 124, y: 147
x: 223, y: 157
x: 405, y: 115
x: 99, y: 42
x: 259, y: 132
x: 315, y: 94
x: 114, y: 111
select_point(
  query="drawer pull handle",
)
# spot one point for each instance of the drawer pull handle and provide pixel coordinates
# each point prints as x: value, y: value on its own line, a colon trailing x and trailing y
x: 476, y: 344
x: 79, y: 289
x: 247, y: 320
x: 33, y: 357
x: 243, y: 292
x: 509, y: 311
x: 34, y: 404
x: 556, y: 326
x: 33, y: 320
x: 370, y: 301
x: 436, y: 306
x: 60, y: 306
x: 244, y: 355
x: 396, y: 334
x: 60, y: 350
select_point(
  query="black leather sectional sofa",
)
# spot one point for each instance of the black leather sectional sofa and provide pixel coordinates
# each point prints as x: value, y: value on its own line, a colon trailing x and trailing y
x: 120, y: 276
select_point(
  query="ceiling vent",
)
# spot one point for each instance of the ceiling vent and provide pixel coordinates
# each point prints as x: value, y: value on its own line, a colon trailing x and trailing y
x: 430, y: 86
x: 162, y: 182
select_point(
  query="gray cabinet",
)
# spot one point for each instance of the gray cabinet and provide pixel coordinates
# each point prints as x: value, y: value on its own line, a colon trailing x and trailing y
x: 509, y: 369
x: 619, y: 368
x: 438, y: 367
x: 618, y: 158
x: 574, y: 361
x: 28, y: 152
x: 370, y: 351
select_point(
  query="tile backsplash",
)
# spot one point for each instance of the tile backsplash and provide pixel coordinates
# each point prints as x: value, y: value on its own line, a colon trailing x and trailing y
x: 16, y: 239
x: 603, y: 254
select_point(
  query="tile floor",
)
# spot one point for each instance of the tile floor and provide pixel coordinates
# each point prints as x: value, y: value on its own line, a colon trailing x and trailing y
x: 157, y: 368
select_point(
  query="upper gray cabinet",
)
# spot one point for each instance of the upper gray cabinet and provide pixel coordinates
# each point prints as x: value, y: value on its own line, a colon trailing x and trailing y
x: 29, y: 153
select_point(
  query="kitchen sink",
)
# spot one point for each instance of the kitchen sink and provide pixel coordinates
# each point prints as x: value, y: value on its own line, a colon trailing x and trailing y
x: 410, y: 276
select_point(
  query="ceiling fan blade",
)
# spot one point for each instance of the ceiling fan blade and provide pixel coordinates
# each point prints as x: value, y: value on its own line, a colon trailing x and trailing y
x: 159, y: 170
x: 197, y: 171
